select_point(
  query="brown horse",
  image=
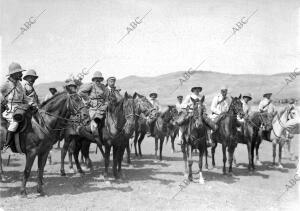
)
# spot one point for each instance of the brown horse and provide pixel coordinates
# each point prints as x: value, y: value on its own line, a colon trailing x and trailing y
x: 144, y: 112
x: 249, y: 134
x: 160, y: 129
x: 194, y: 136
x: 226, y: 134
x: 118, y: 128
x: 42, y: 132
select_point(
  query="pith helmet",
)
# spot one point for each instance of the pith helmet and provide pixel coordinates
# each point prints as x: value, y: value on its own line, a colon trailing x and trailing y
x: 14, y: 68
x: 97, y: 74
x: 71, y: 83
x: 267, y: 94
x: 153, y: 95
x: 248, y: 95
x: 111, y: 78
x: 30, y: 73
x: 196, y: 87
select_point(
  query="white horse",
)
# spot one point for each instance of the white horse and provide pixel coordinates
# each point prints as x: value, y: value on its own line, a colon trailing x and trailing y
x: 282, y: 122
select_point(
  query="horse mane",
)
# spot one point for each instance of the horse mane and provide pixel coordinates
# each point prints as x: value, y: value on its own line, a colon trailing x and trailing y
x: 52, y: 97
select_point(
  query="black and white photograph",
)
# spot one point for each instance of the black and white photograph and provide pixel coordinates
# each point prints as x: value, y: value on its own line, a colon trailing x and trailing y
x: 149, y: 105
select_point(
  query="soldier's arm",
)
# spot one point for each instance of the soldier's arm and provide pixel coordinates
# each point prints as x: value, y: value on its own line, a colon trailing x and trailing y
x: 213, y: 106
x: 85, y: 90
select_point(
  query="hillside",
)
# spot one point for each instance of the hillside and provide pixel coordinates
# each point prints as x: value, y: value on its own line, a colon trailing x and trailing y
x: 165, y: 85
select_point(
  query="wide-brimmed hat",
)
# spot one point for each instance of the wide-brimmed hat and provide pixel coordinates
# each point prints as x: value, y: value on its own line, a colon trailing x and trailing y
x: 196, y: 87
x: 248, y: 95
x: 224, y: 87
x: 70, y: 83
x: 30, y: 73
x: 97, y: 74
x: 14, y: 68
x: 179, y: 97
x: 111, y: 78
x: 153, y: 95
x: 266, y: 94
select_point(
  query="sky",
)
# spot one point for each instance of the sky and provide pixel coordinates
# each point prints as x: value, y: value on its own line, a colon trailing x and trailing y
x: 175, y: 35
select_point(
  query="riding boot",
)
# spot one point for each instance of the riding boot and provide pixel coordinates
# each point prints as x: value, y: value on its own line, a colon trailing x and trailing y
x: 9, y: 138
x: 151, y: 127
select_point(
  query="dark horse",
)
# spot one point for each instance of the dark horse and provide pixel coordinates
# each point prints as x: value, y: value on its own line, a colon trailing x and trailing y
x: 249, y: 134
x: 160, y: 129
x: 144, y: 112
x: 42, y: 132
x: 194, y: 135
x: 118, y: 128
x: 226, y: 134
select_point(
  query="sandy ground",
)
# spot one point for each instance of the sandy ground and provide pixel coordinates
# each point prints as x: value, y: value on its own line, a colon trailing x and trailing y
x: 152, y: 185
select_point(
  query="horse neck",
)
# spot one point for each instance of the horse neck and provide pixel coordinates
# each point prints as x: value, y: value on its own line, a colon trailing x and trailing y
x: 115, y: 116
x: 277, y: 127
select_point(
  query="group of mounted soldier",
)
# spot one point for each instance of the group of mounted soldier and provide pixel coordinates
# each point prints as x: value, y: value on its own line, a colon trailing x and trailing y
x: 97, y: 97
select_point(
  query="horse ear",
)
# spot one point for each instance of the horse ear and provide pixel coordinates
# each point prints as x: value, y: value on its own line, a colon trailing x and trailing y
x: 240, y: 96
x: 126, y: 95
x: 134, y: 95
x: 193, y: 100
x: 202, y: 98
x: 231, y: 97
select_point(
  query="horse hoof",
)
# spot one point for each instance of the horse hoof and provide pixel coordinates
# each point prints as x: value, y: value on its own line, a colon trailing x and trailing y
x: 41, y: 192
x: 107, y: 182
x: 23, y: 193
x: 62, y: 173
x: 258, y: 163
x: 84, y: 168
x: 229, y: 174
x: 71, y: 171
x: 280, y: 166
x: 201, y: 181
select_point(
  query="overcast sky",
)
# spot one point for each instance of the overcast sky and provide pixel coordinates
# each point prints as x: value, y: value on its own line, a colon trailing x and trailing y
x: 174, y: 36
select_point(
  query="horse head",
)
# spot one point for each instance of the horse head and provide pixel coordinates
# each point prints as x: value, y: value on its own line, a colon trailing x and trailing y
x: 198, y: 109
x: 129, y: 113
x: 236, y: 106
x: 144, y: 106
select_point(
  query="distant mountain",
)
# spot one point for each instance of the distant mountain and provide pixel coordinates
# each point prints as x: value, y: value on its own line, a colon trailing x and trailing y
x: 165, y: 85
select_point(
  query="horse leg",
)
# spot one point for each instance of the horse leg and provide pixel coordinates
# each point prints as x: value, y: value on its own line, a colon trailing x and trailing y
x: 201, y: 152
x: 172, y: 143
x: 136, y: 135
x: 190, y: 161
x: 106, y: 160
x: 115, y: 160
x: 206, y: 152
x: 156, y: 147
x: 63, y: 155
x: 185, y: 155
x: 1, y: 169
x: 85, y: 151
x: 42, y: 159
x: 140, y: 140
x: 30, y: 157
x: 128, y: 152
x: 224, y: 158
x: 161, y: 148
x: 76, y: 154
x: 256, y: 152
x: 120, y: 158
x: 249, y: 155
x: 230, y: 158
x: 279, y: 155
x: 274, y: 153
x: 213, y: 150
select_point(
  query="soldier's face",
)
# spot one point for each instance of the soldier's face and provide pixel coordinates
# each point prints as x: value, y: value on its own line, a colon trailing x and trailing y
x: 30, y: 79
x: 179, y: 100
x: 72, y: 89
x: 224, y: 92
x: 111, y: 82
x: 246, y: 99
x: 17, y: 76
x: 97, y: 80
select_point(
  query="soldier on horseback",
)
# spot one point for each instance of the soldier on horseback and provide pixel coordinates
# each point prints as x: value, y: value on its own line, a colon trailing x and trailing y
x: 29, y: 79
x: 266, y: 104
x: 154, y: 101
x: 96, y: 96
x: 188, y: 103
x: 15, y: 95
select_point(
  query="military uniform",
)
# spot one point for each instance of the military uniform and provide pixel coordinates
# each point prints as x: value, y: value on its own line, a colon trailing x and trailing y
x: 266, y: 105
x: 96, y: 96
x: 218, y: 106
x: 30, y: 93
x: 14, y: 95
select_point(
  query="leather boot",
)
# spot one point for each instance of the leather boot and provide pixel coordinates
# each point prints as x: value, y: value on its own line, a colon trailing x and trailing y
x: 208, y: 140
